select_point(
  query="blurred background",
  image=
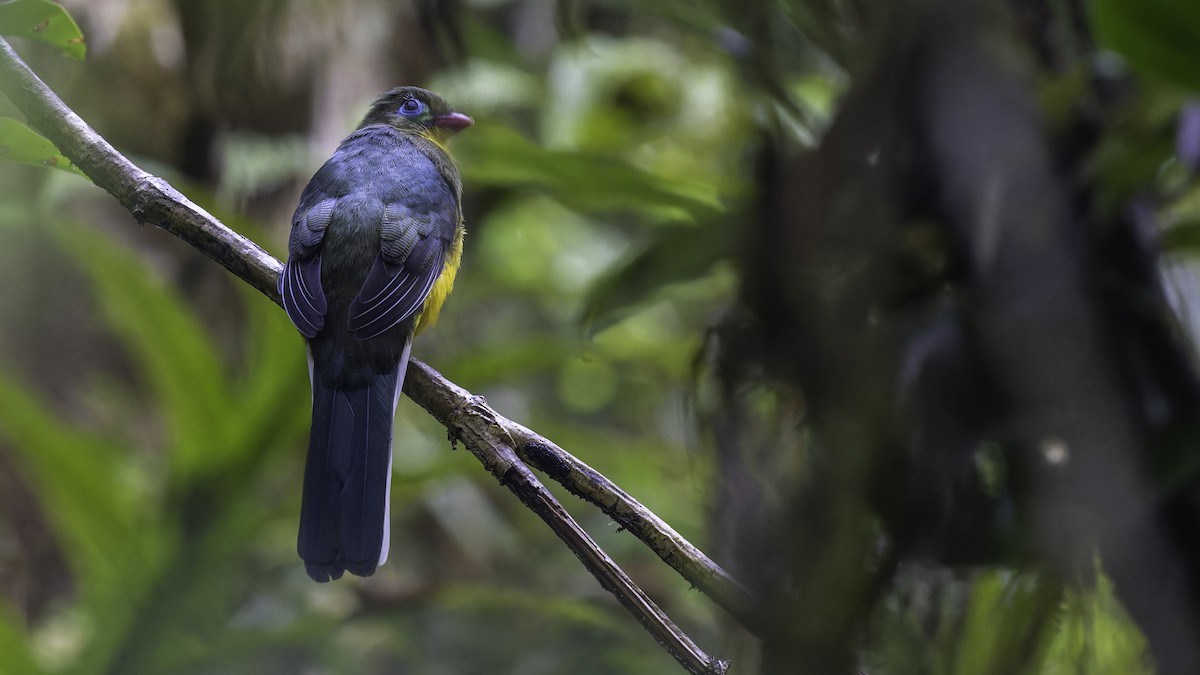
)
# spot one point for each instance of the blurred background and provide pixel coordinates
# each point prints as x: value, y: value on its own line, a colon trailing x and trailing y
x: 886, y: 308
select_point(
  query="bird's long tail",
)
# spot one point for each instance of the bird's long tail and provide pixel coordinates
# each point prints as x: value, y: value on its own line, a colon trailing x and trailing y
x: 344, y: 511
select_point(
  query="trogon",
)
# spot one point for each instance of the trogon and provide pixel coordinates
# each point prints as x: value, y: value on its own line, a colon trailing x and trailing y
x: 374, y: 248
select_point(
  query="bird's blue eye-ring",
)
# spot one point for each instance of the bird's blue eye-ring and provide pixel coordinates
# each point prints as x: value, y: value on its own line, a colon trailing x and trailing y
x: 411, y: 107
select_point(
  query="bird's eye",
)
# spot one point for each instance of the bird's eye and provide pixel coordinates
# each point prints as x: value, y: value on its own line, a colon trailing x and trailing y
x: 412, y: 107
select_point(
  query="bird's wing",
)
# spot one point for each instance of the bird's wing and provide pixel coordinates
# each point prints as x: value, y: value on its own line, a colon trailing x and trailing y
x: 300, y: 283
x: 414, y: 237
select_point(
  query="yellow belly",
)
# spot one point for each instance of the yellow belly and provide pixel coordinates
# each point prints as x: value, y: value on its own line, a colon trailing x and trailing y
x: 428, y: 315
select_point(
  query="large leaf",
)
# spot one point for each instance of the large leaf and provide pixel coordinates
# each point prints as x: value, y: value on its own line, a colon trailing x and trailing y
x: 167, y: 341
x: 495, y: 155
x: 272, y: 402
x: 1158, y: 37
x: 19, y: 143
x: 268, y: 403
x: 43, y: 21
x: 76, y: 473
x: 674, y: 254
x: 113, y: 549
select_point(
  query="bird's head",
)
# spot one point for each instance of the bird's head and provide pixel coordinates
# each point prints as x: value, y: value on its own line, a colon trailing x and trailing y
x: 418, y: 111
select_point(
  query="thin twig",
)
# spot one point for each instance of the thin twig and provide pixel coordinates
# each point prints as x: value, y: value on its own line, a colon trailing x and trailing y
x: 526, y: 486
x: 593, y: 486
x: 491, y: 437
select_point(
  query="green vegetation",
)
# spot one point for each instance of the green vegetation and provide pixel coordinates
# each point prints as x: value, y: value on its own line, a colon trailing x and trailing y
x: 153, y: 412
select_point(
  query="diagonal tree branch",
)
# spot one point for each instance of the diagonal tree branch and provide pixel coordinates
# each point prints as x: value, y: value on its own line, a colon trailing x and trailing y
x: 495, y: 440
x: 149, y: 198
x: 443, y: 399
x: 486, y: 435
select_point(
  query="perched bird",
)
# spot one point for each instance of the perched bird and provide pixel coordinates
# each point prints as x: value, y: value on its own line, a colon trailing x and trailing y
x: 374, y: 248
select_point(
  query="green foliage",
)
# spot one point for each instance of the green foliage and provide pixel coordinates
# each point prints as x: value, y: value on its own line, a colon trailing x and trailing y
x: 211, y: 518
x: 495, y: 155
x: 16, y: 652
x: 76, y: 474
x: 46, y: 22
x: 43, y: 21
x: 179, y: 360
x: 211, y: 416
x: 149, y: 537
x: 19, y: 143
x: 1093, y: 634
x: 607, y: 178
x: 1181, y: 223
x: 1158, y: 37
x: 1004, y: 628
x: 673, y: 254
x: 1001, y: 622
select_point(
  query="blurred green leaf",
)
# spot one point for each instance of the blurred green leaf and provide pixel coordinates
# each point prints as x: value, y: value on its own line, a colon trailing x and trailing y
x: 1001, y: 622
x: 167, y: 341
x: 113, y: 552
x: 73, y: 470
x: 270, y: 403
x: 1184, y: 237
x: 1137, y: 145
x: 232, y: 649
x: 1180, y: 221
x: 496, y: 155
x: 219, y: 436
x: 15, y: 654
x: 510, y: 361
x: 674, y: 253
x: 1094, y: 635
x: 1004, y: 630
x: 43, y: 21
x: 19, y: 143
x: 1157, y: 37
x: 568, y: 610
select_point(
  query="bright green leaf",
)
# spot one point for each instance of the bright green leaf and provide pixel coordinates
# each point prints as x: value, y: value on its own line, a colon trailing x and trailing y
x: 43, y: 21
x: 19, y: 143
